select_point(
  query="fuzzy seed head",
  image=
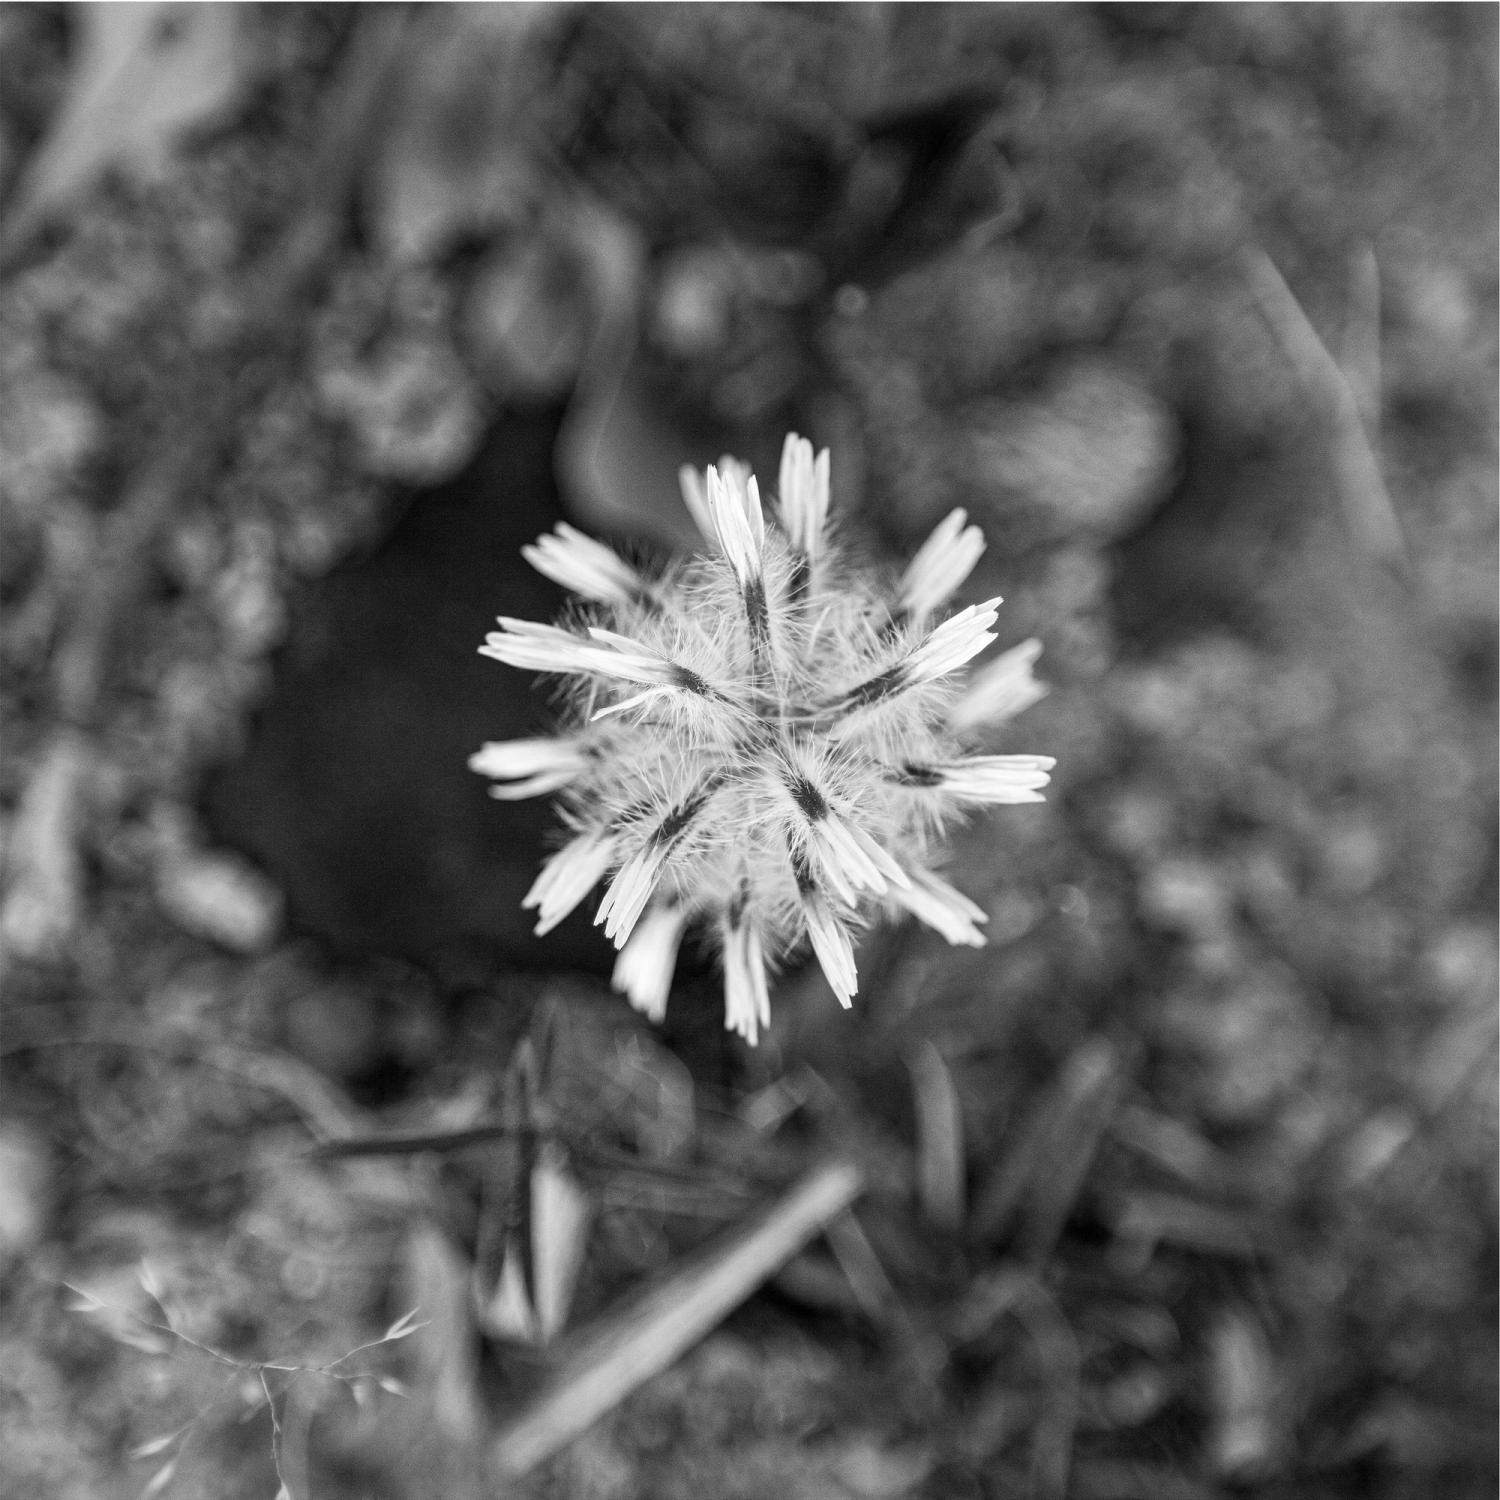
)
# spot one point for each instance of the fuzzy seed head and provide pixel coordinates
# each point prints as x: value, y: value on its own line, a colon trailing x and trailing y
x: 764, y: 743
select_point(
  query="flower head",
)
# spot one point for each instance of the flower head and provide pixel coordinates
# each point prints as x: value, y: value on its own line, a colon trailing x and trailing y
x: 765, y: 742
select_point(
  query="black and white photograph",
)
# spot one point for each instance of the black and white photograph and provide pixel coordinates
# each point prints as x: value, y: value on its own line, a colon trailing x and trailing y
x: 748, y: 751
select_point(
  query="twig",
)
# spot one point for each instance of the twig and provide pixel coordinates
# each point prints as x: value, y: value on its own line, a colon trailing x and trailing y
x: 297, y: 1414
x: 628, y: 1347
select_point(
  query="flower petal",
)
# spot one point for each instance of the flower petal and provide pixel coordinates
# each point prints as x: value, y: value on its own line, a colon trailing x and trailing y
x: 695, y: 497
x: 747, y: 999
x: 568, y: 877
x: 942, y: 908
x: 832, y: 947
x: 802, y: 494
x: 540, y: 648
x: 529, y: 768
x: 987, y: 778
x: 953, y: 642
x: 585, y: 566
x: 945, y: 559
x: 643, y: 971
x: 1000, y: 690
x: 629, y: 892
x: 738, y: 522
x: 850, y: 860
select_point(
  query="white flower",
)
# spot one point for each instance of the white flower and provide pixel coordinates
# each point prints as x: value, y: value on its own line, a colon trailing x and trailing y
x: 747, y: 999
x: 802, y: 495
x: 946, y: 558
x: 568, y: 877
x: 588, y: 568
x: 942, y: 908
x: 643, y: 971
x: 1000, y: 690
x: 746, y: 745
x: 529, y: 768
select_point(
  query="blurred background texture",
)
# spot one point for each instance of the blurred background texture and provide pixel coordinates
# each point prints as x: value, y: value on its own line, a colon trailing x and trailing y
x: 312, y: 315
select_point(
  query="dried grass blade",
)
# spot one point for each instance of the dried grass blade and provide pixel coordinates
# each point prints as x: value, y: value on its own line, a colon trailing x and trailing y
x: 1361, y: 487
x: 628, y: 1347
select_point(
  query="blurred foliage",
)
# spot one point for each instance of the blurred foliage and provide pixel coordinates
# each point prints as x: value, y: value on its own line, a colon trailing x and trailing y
x: 1215, y: 1111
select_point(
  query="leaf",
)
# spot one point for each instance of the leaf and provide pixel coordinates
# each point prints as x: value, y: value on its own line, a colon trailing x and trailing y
x: 154, y: 1446
x: 390, y: 1385
x: 143, y: 75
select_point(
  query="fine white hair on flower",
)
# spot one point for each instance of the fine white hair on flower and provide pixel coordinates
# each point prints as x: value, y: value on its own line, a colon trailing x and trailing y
x: 764, y: 743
